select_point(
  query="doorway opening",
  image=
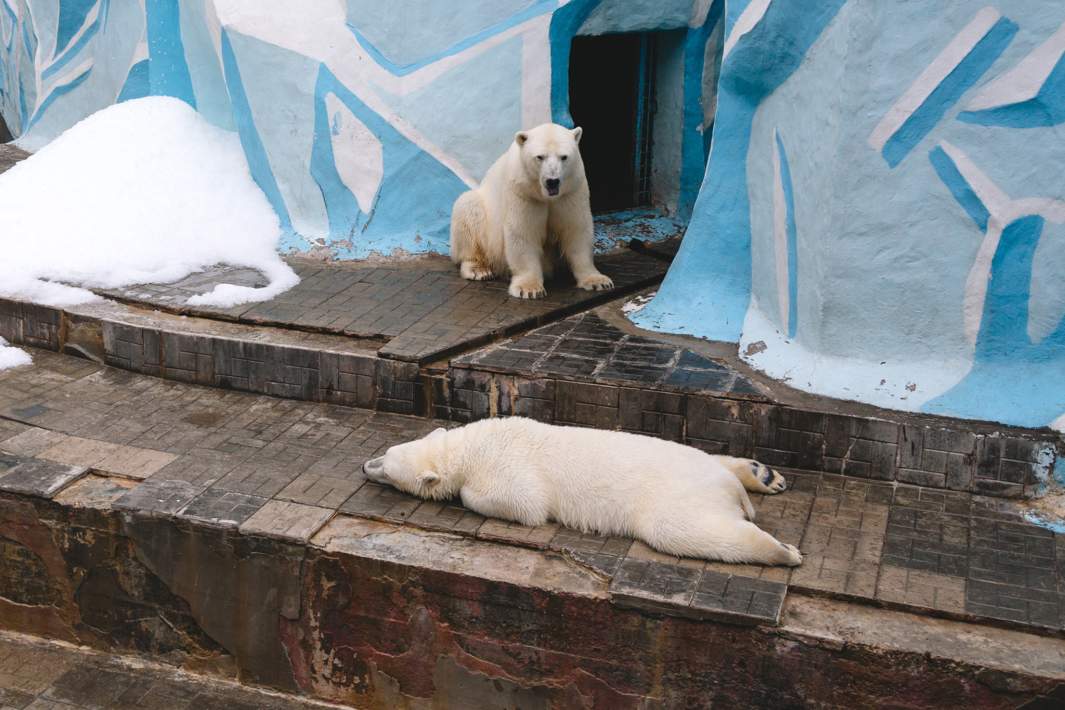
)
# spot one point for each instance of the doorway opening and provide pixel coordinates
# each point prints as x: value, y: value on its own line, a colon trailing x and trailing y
x: 612, y: 97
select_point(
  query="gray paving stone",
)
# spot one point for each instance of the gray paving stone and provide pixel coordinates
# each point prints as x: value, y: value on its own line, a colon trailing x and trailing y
x: 286, y: 520
x: 158, y: 497
x: 222, y: 508
x: 36, y: 477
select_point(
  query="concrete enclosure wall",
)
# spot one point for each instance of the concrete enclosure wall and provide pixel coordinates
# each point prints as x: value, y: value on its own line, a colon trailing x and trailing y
x: 362, y: 121
x: 883, y: 215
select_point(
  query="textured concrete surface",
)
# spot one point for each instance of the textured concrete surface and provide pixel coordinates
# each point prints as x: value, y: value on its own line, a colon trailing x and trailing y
x: 37, y: 675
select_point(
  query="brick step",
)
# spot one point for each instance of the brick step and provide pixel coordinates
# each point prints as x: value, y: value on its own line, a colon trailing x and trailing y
x: 235, y: 534
x: 580, y: 371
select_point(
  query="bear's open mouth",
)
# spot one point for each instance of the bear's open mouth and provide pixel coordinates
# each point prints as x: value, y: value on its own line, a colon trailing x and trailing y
x: 551, y: 186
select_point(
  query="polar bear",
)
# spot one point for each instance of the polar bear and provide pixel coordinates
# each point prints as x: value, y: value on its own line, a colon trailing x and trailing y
x: 677, y: 499
x: 532, y: 205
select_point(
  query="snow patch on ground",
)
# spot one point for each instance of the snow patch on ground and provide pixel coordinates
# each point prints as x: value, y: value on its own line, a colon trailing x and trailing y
x: 637, y: 304
x: 145, y: 191
x: 12, y: 357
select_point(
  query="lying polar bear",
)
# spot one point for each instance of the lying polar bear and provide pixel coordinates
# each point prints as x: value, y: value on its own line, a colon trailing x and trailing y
x: 677, y: 499
x: 532, y: 206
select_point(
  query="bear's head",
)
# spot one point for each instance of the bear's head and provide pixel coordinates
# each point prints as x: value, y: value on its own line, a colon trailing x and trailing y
x: 551, y: 158
x: 412, y: 467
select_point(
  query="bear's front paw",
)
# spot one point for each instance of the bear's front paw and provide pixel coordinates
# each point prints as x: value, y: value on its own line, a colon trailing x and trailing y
x: 527, y: 288
x: 595, y: 282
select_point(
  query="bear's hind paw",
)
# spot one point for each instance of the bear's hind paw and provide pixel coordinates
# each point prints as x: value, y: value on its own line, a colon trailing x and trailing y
x: 475, y: 272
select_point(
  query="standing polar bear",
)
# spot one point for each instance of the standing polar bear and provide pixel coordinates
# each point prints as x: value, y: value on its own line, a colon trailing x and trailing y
x: 677, y: 499
x: 532, y: 205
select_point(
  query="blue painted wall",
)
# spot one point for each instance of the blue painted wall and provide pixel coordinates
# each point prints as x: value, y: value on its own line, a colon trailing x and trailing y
x: 361, y: 125
x: 883, y: 217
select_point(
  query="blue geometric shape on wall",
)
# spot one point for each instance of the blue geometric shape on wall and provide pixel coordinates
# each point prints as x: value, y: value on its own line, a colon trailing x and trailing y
x: 793, y: 238
x: 412, y: 207
x: 72, y: 14
x: 137, y: 83
x: 1046, y: 108
x: 63, y: 59
x: 168, y: 71
x: 1010, y: 373
x: 57, y: 92
x: 949, y: 91
x: 712, y: 271
x: 430, y: 39
x: 963, y: 192
x: 258, y: 163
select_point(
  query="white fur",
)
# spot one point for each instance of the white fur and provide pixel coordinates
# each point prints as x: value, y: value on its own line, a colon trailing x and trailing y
x: 677, y: 499
x: 513, y: 223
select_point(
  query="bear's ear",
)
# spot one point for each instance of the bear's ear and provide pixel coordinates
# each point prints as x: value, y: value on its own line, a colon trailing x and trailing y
x: 520, y: 137
x: 428, y: 479
x: 577, y: 133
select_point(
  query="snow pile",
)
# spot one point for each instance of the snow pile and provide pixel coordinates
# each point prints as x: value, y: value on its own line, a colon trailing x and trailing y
x: 12, y: 357
x: 144, y: 191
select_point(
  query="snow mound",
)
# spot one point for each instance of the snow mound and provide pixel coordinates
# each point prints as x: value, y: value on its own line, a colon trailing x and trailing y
x: 145, y: 191
x: 12, y: 357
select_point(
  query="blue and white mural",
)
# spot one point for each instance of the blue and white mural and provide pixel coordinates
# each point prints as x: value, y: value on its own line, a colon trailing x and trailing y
x: 882, y: 218
x: 361, y: 120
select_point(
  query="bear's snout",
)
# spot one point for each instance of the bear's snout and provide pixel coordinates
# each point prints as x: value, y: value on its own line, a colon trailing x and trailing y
x: 375, y: 469
x: 552, y: 185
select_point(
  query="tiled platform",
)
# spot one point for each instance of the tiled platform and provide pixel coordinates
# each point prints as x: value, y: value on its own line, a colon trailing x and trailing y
x: 281, y: 469
x: 418, y: 310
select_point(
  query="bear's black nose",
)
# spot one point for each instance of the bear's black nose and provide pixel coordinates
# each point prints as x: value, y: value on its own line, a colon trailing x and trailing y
x: 552, y: 185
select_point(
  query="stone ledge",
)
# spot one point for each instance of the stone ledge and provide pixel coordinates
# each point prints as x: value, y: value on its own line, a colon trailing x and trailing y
x: 372, y: 612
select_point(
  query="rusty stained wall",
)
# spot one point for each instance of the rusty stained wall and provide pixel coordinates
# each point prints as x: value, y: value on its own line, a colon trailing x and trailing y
x: 376, y: 633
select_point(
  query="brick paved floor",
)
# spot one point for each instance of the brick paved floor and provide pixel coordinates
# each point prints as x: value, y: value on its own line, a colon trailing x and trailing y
x: 283, y: 469
x: 36, y: 675
x: 422, y: 308
x: 588, y: 348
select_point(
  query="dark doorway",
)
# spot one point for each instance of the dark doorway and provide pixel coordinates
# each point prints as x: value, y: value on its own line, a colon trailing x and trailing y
x: 610, y: 92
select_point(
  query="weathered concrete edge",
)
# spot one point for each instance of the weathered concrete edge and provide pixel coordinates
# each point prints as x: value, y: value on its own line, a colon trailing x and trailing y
x: 233, y: 585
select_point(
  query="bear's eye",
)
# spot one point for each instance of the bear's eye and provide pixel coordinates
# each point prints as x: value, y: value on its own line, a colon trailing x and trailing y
x: 540, y: 157
x: 563, y: 157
